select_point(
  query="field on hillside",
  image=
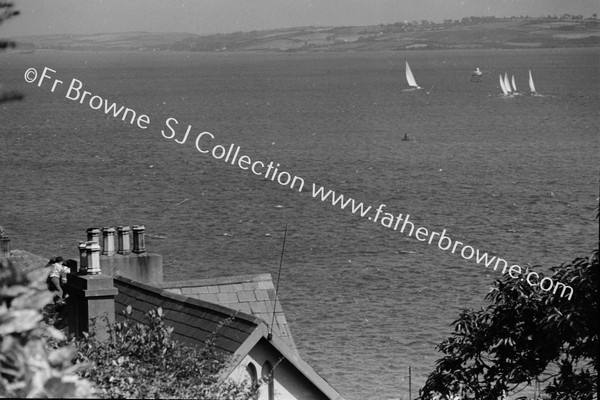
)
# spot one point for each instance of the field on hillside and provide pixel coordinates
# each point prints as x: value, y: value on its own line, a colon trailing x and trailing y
x: 474, y: 33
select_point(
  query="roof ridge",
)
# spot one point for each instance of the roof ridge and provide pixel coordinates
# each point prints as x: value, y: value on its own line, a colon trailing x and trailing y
x: 226, y: 311
x: 215, y: 281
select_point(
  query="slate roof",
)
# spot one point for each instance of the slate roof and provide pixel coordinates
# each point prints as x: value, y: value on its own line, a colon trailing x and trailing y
x: 250, y: 294
x: 194, y: 321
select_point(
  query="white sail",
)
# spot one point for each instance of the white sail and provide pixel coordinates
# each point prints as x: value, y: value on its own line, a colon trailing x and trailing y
x: 410, y: 78
x: 531, y: 86
x: 514, y: 86
x: 502, y: 86
x: 507, y: 83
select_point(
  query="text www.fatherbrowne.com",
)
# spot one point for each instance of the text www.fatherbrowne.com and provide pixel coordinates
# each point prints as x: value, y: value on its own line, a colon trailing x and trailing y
x: 444, y: 242
x: 230, y: 154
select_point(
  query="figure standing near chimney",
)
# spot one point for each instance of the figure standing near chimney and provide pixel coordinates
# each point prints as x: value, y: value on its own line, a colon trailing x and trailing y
x: 57, y: 277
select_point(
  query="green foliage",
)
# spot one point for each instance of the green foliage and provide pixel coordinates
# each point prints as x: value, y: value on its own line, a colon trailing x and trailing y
x: 28, y: 368
x: 524, y: 335
x: 143, y: 361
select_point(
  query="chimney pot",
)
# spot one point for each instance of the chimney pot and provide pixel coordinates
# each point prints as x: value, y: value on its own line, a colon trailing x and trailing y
x: 108, y: 239
x: 123, y: 239
x: 82, y: 258
x: 139, y: 245
x: 5, y: 246
x: 93, y: 235
x: 93, y: 258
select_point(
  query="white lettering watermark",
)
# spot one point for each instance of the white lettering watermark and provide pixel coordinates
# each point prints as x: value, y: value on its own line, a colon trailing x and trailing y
x: 206, y: 144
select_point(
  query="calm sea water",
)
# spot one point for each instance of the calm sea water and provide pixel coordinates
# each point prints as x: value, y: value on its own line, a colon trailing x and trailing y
x: 515, y: 177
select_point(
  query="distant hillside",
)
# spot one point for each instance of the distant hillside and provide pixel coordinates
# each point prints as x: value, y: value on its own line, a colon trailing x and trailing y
x: 472, y: 32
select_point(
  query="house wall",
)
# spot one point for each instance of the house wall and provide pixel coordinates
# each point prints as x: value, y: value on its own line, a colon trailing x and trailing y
x: 289, y: 383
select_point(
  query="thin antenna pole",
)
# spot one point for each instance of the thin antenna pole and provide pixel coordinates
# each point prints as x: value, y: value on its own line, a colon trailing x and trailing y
x: 277, y: 287
x: 409, y: 385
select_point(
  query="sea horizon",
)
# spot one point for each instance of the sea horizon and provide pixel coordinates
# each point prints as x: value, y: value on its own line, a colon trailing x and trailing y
x: 515, y: 177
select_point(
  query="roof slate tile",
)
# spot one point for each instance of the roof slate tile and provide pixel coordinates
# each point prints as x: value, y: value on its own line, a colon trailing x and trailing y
x: 193, y: 320
x: 261, y: 295
x: 254, y: 294
x: 226, y: 298
x: 246, y: 296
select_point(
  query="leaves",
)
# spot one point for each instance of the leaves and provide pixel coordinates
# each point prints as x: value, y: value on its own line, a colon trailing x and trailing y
x: 524, y: 334
x: 28, y: 368
x: 143, y: 361
x: 19, y: 321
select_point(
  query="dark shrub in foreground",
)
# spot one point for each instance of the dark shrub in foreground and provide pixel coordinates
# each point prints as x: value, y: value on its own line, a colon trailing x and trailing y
x: 142, y: 361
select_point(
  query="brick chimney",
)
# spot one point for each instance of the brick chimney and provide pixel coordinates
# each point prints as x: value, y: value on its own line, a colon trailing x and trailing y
x: 136, y: 263
x: 92, y: 294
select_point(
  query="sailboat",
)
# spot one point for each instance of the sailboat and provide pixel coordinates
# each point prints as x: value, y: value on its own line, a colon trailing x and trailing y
x: 514, y: 85
x: 531, y: 85
x: 507, y: 83
x: 505, y: 91
x: 410, y: 78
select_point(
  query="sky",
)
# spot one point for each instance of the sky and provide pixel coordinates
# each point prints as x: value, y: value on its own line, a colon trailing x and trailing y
x: 40, y: 17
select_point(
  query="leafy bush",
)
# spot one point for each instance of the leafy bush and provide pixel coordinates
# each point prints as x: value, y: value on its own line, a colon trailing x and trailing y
x: 143, y: 361
x: 139, y: 361
x: 527, y: 334
x: 28, y: 366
